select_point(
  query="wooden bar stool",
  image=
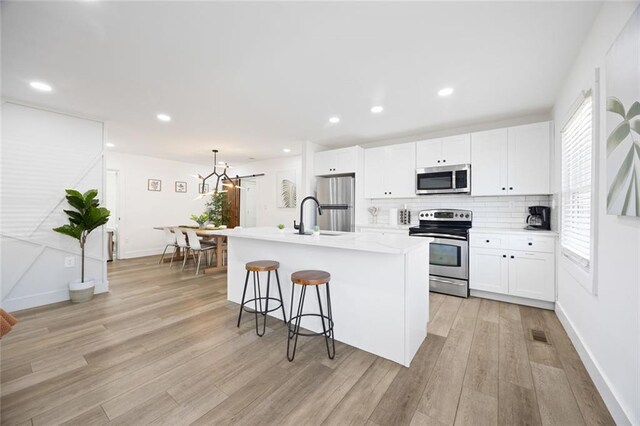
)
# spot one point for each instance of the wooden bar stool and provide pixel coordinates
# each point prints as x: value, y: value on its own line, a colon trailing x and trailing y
x: 306, y: 279
x: 256, y: 267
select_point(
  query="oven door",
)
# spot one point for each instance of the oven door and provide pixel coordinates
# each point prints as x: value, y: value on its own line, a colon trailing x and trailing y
x: 449, y: 257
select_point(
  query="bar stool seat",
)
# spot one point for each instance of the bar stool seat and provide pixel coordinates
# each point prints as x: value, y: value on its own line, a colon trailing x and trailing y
x: 258, y: 299
x: 262, y: 266
x: 305, y: 279
x: 310, y: 277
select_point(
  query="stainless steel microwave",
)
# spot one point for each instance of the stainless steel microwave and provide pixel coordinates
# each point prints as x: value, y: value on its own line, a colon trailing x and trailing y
x: 444, y: 180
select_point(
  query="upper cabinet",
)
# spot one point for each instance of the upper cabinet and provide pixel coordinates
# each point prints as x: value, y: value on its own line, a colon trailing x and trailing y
x: 511, y: 161
x: 447, y: 151
x: 336, y: 161
x: 389, y: 171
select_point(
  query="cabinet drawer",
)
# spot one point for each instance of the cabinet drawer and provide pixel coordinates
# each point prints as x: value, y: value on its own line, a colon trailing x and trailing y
x: 488, y: 241
x: 532, y: 243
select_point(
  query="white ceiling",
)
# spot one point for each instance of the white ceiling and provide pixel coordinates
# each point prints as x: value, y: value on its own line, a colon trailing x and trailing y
x: 253, y: 78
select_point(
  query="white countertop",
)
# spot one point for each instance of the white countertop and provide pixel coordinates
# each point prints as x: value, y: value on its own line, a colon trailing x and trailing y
x: 513, y: 231
x: 392, y: 244
x: 383, y: 226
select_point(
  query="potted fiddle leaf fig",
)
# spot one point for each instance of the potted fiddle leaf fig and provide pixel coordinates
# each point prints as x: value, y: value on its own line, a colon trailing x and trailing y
x: 87, y: 217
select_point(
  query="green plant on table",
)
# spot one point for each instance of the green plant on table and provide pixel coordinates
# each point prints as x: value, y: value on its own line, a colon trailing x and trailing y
x: 200, y: 220
x: 281, y: 226
x: 87, y: 216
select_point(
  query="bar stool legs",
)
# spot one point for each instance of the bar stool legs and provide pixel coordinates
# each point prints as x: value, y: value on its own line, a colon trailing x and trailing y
x: 294, y: 320
x: 258, y: 299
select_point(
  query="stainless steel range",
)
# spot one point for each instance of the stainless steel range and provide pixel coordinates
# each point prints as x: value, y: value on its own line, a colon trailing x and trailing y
x: 449, y: 252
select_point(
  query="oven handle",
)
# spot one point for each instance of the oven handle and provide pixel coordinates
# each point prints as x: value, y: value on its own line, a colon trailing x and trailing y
x: 443, y: 281
x: 454, y: 237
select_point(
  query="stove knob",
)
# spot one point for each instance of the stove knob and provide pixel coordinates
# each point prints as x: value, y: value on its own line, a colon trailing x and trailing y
x: 466, y: 215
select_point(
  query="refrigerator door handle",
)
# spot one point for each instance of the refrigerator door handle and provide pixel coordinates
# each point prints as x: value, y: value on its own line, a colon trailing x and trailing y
x: 334, y: 206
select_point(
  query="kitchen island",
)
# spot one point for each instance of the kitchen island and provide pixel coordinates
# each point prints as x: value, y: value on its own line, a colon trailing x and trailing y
x: 379, y: 283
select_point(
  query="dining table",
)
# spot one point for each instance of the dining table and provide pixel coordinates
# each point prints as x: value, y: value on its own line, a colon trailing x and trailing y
x: 208, y: 235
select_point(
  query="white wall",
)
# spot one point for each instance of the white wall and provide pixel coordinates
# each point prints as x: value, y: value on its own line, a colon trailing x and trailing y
x: 605, y: 328
x: 141, y: 210
x: 268, y: 214
x: 44, y: 153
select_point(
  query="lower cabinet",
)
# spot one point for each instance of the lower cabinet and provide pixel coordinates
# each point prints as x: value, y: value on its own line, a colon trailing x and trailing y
x: 489, y: 270
x: 510, y: 269
x: 532, y: 275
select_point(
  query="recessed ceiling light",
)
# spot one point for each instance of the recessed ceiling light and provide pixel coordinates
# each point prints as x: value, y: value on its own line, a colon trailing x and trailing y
x: 163, y: 117
x: 43, y: 87
x: 334, y: 120
x: 445, y: 92
x: 377, y: 109
x: 109, y: 145
x: 286, y: 150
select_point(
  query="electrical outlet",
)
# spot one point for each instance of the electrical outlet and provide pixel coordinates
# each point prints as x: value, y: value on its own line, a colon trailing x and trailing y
x: 69, y: 262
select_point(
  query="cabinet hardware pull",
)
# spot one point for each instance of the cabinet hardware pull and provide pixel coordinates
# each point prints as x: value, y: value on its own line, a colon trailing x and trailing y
x: 530, y: 244
x: 438, y: 161
x: 513, y: 257
x: 444, y: 161
x: 511, y: 188
x: 487, y: 240
x: 504, y: 189
x: 504, y: 255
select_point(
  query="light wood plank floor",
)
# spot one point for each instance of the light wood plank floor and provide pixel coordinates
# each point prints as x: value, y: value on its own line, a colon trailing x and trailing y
x: 163, y: 348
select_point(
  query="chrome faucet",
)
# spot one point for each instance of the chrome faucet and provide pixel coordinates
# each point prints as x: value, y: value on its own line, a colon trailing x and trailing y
x: 300, y: 227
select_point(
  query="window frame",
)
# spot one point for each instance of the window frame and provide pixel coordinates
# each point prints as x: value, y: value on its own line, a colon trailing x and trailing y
x: 586, y: 276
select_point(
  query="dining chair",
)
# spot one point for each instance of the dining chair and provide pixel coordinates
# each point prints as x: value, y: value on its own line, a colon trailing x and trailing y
x: 181, y: 240
x: 170, y: 240
x: 195, y: 246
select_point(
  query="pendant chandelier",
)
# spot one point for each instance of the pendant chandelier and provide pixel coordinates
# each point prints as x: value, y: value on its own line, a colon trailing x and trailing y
x: 221, y: 178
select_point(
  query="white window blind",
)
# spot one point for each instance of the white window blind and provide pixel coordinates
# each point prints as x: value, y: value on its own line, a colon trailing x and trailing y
x: 575, y: 223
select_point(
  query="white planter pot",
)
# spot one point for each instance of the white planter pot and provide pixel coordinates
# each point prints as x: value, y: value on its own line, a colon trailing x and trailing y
x: 80, y: 292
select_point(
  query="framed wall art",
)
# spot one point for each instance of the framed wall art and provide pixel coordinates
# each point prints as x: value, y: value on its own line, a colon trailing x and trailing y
x: 286, y: 189
x: 154, y: 185
x: 623, y: 121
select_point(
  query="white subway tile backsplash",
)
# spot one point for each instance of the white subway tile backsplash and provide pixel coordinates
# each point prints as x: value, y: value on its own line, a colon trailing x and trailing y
x: 488, y: 212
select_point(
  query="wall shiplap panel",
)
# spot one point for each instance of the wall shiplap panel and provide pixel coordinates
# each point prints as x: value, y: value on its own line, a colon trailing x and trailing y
x: 44, y: 153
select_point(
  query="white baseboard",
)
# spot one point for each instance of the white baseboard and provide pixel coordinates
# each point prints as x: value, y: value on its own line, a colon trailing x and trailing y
x: 142, y: 253
x: 513, y: 299
x: 36, y: 300
x: 618, y: 412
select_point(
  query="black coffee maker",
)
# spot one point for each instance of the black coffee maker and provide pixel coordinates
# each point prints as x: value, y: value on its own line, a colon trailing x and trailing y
x: 539, y: 218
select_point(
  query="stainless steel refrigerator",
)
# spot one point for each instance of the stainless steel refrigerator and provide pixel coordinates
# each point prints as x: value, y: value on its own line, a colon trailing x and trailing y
x: 336, y: 196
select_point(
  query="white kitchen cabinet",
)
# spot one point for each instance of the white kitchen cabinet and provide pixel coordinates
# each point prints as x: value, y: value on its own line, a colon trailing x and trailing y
x: 531, y: 275
x: 452, y: 150
x: 336, y: 161
x: 517, y: 264
x: 511, y: 161
x: 489, y: 162
x: 489, y: 269
x: 529, y: 159
x: 389, y: 171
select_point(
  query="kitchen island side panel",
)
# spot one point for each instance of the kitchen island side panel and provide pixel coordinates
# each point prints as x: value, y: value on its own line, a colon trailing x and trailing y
x: 368, y: 291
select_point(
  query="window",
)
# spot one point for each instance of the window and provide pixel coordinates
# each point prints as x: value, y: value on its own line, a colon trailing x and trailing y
x: 577, y: 136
